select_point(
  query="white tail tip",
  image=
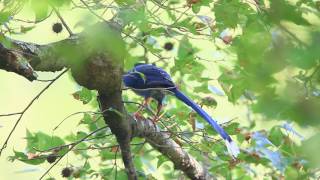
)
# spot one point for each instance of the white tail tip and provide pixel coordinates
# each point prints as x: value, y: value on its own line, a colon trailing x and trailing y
x: 233, y: 149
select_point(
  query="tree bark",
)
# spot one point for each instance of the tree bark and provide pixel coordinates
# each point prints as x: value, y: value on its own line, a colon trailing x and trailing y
x: 168, y: 147
x: 120, y: 127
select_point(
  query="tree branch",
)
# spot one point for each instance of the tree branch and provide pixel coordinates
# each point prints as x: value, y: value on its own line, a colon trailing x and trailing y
x: 119, y: 126
x: 14, y: 61
x: 168, y: 147
x: 25, y: 58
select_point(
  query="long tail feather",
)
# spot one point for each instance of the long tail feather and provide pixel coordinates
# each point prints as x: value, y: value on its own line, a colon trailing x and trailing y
x: 233, y: 149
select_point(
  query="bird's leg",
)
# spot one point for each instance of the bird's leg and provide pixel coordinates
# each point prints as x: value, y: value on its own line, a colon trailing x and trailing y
x: 145, y: 103
x: 157, y: 117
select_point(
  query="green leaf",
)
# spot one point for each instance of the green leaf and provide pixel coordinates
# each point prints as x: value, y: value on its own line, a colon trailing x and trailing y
x: 226, y: 14
x: 81, y: 135
x: 86, y: 119
x: 283, y: 10
x: 89, y: 121
x: 125, y: 2
x: 135, y: 16
x: 161, y: 159
x: 41, y: 141
x: 186, y: 62
x: 291, y: 173
x: 276, y: 136
x: 130, y: 61
x: 233, y: 83
x: 25, y: 29
x: 4, y: 17
x: 305, y: 57
x: 84, y: 95
x: 187, y: 23
x: 82, y: 150
x: 5, y: 41
x: 100, y: 37
x: 309, y: 150
x: 231, y: 13
x: 231, y: 129
x: 40, y: 8
x: 209, y: 101
x: 196, y: 8
x: 24, y: 158
x: 106, y: 155
x: 219, y: 148
x: 59, y: 3
x: 223, y: 170
x: 171, y: 15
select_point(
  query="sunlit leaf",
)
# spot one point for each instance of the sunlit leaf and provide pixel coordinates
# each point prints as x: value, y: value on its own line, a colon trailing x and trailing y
x: 24, y: 158
x: 84, y: 95
x: 4, y: 17
x: 309, y: 148
x: 283, y: 10
x: 40, y: 8
x: 161, y: 160
x: 41, y: 141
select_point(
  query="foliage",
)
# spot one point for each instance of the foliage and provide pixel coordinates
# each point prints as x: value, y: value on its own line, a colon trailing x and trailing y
x: 271, y: 65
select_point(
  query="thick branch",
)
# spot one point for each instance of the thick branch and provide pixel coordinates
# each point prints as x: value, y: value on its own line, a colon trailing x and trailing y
x: 168, y: 147
x: 25, y: 58
x: 14, y: 61
x: 119, y: 126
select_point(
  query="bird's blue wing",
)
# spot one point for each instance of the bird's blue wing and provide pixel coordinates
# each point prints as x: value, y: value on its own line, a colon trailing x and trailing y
x: 155, y: 76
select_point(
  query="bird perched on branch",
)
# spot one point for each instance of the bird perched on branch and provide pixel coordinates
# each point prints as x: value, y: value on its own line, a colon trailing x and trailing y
x: 150, y: 81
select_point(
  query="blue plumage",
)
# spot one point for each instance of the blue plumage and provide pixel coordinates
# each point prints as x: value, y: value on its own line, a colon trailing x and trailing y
x: 150, y: 81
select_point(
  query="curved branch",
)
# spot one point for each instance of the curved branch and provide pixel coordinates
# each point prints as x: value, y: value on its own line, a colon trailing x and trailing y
x: 26, y: 58
x: 14, y: 61
x: 168, y: 147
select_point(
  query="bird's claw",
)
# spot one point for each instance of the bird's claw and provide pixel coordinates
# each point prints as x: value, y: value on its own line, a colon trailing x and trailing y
x: 155, y: 119
x: 137, y: 116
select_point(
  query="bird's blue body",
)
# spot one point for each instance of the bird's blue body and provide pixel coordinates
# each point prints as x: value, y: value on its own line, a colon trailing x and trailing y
x: 151, y: 81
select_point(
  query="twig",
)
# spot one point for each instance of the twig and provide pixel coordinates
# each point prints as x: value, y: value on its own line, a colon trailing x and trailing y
x: 11, y: 114
x: 73, y: 145
x: 43, y: 80
x: 28, y: 106
x: 62, y: 20
x: 76, y: 113
x: 109, y: 6
x: 292, y: 35
x: 115, y: 163
x: 132, y: 102
x: 143, y: 46
x: 70, y: 144
x: 34, y: 22
x: 94, y: 13
x: 181, y: 15
x: 106, y: 147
